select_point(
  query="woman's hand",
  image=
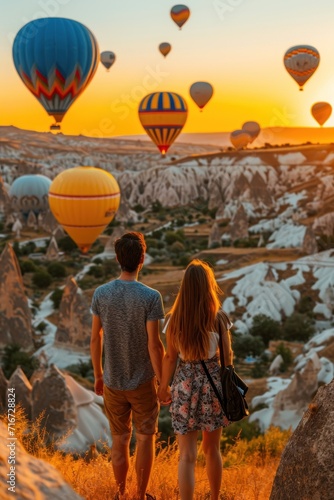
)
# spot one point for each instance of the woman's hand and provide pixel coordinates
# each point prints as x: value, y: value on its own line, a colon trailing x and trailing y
x: 164, y: 396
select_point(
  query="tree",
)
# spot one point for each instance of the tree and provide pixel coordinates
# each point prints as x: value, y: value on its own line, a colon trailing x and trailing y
x: 286, y: 354
x: 56, y: 297
x: 245, y: 344
x: 57, y: 270
x: 298, y: 327
x: 13, y: 357
x: 265, y: 327
x: 41, y: 279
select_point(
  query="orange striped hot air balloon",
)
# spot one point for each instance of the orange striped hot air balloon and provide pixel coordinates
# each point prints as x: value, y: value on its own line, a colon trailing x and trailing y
x: 321, y: 111
x: 301, y: 62
x: 165, y: 48
x: 84, y: 200
x: 163, y: 115
x: 180, y: 14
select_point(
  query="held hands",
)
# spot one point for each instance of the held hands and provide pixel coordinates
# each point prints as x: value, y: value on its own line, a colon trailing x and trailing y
x: 98, y: 386
x: 164, y: 396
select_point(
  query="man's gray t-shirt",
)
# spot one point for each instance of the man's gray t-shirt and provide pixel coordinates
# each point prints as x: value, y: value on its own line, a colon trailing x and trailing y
x: 124, y: 307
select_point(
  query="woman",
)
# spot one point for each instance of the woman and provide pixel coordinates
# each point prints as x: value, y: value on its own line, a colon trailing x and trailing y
x: 191, y: 337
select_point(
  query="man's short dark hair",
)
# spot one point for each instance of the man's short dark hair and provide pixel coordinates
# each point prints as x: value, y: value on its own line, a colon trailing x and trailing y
x: 129, y: 250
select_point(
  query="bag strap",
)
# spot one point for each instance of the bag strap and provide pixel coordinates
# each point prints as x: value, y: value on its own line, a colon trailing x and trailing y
x: 212, y: 383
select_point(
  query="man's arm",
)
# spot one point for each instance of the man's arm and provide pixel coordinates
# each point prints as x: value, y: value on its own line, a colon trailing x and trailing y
x: 155, y: 346
x: 96, y: 346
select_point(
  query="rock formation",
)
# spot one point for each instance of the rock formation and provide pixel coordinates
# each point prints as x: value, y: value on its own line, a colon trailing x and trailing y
x: 32, y: 220
x: 16, y: 228
x: 4, y: 198
x: 306, y: 467
x: 49, y: 223
x: 51, y: 395
x: 52, y: 250
x: 33, y: 477
x: 3, y: 390
x: 23, y: 389
x: 75, y: 320
x: 15, y: 315
x: 215, y: 236
x: 295, y: 398
x: 238, y: 227
x: 310, y: 245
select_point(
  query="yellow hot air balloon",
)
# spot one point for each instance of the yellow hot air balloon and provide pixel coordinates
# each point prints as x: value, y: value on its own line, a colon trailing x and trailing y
x: 240, y: 138
x: 301, y: 62
x: 165, y: 48
x: 180, y: 14
x: 84, y: 200
x: 201, y: 93
x: 163, y: 115
x: 321, y: 111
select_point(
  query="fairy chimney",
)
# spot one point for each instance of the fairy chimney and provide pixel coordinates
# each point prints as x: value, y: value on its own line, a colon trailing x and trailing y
x: 214, y: 236
x: 74, y: 323
x: 310, y: 245
x: 15, y: 315
x: 52, y: 250
x: 238, y: 227
x: 22, y: 386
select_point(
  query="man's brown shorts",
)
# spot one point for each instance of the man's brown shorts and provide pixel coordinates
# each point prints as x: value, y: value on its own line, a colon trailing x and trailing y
x: 141, y: 402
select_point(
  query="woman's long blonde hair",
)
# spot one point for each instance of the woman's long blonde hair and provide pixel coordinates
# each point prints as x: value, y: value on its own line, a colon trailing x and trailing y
x: 193, y: 314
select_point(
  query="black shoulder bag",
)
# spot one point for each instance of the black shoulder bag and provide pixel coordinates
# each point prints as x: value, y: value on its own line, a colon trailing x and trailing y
x: 234, y: 388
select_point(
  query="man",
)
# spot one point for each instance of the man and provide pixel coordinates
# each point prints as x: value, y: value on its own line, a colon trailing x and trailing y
x: 126, y: 316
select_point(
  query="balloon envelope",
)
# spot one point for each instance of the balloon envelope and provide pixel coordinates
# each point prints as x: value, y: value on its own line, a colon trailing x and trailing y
x: 301, y: 61
x: 56, y: 59
x: 30, y: 193
x: 84, y: 200
x: 321, y: 111
x: 240, y: 138
x: 107, y: 58
x: 201, y: 93
x: 165, y: 48
x: 163, y: 115
x: 180, y: 14
x: 252, y: 128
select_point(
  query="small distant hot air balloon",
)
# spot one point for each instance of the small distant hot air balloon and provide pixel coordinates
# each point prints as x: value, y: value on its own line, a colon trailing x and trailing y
x: 30, y: 193
x: 107, y: 58
x: 301, y: 62
x: 84, y: 200
x: 163, y: 115
x: 240, y: 138
x: 56, y: 58
x: 321, y: 111
x: 252, y: 128
x: 201, y: 93
x: 165, y: 48
x: 180, y: 14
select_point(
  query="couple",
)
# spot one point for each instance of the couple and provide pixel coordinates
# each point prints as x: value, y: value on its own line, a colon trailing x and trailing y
x: 137, y: 371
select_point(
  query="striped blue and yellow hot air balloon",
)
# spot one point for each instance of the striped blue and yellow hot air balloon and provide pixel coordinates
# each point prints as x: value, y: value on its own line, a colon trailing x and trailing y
x: 56, y: 59
x: 84, y: 200
x: 301, y: 61
x: 163, y: 115
x: 180, y: 14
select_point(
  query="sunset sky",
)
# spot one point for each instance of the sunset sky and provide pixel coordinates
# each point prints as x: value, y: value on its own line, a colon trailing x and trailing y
x: 236, y: 45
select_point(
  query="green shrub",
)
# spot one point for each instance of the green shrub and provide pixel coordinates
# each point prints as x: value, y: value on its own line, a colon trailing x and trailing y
x: 66, y: 244
x: 27, y: 266
x: 56, y: 297
x: 298, y: 327
x: 265, y: 327
x: 57, y: 270
x: 246, y: 344
x: 13, y: 357
x: 41, y: 279
x: 286, y: 354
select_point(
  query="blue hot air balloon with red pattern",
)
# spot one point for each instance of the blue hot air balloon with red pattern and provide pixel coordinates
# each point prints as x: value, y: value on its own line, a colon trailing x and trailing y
x: 163, y: 115
x: 56, y: 59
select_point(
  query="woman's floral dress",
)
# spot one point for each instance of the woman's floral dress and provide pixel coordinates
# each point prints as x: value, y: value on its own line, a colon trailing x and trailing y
x: 194, y: 404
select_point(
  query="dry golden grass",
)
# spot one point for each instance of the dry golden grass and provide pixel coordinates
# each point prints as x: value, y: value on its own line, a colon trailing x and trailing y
x: 249, y: 467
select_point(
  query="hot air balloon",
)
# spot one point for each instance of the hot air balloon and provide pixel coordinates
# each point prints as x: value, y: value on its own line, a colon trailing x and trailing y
x: 165, y: 48
x: 201, y: 93
x: 84, y: 200
x: 301, y: 62
x: 180, y: 14
x: 240, y: 138
x: 252, y: 128
x: 107, y: 58
x: 321, y: 111
x: 163, y: 115
x: 30, y: 193
x: 56, y: 59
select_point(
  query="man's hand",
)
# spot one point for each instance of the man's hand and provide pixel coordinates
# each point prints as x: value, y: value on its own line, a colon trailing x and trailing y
x: 98, y: 386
